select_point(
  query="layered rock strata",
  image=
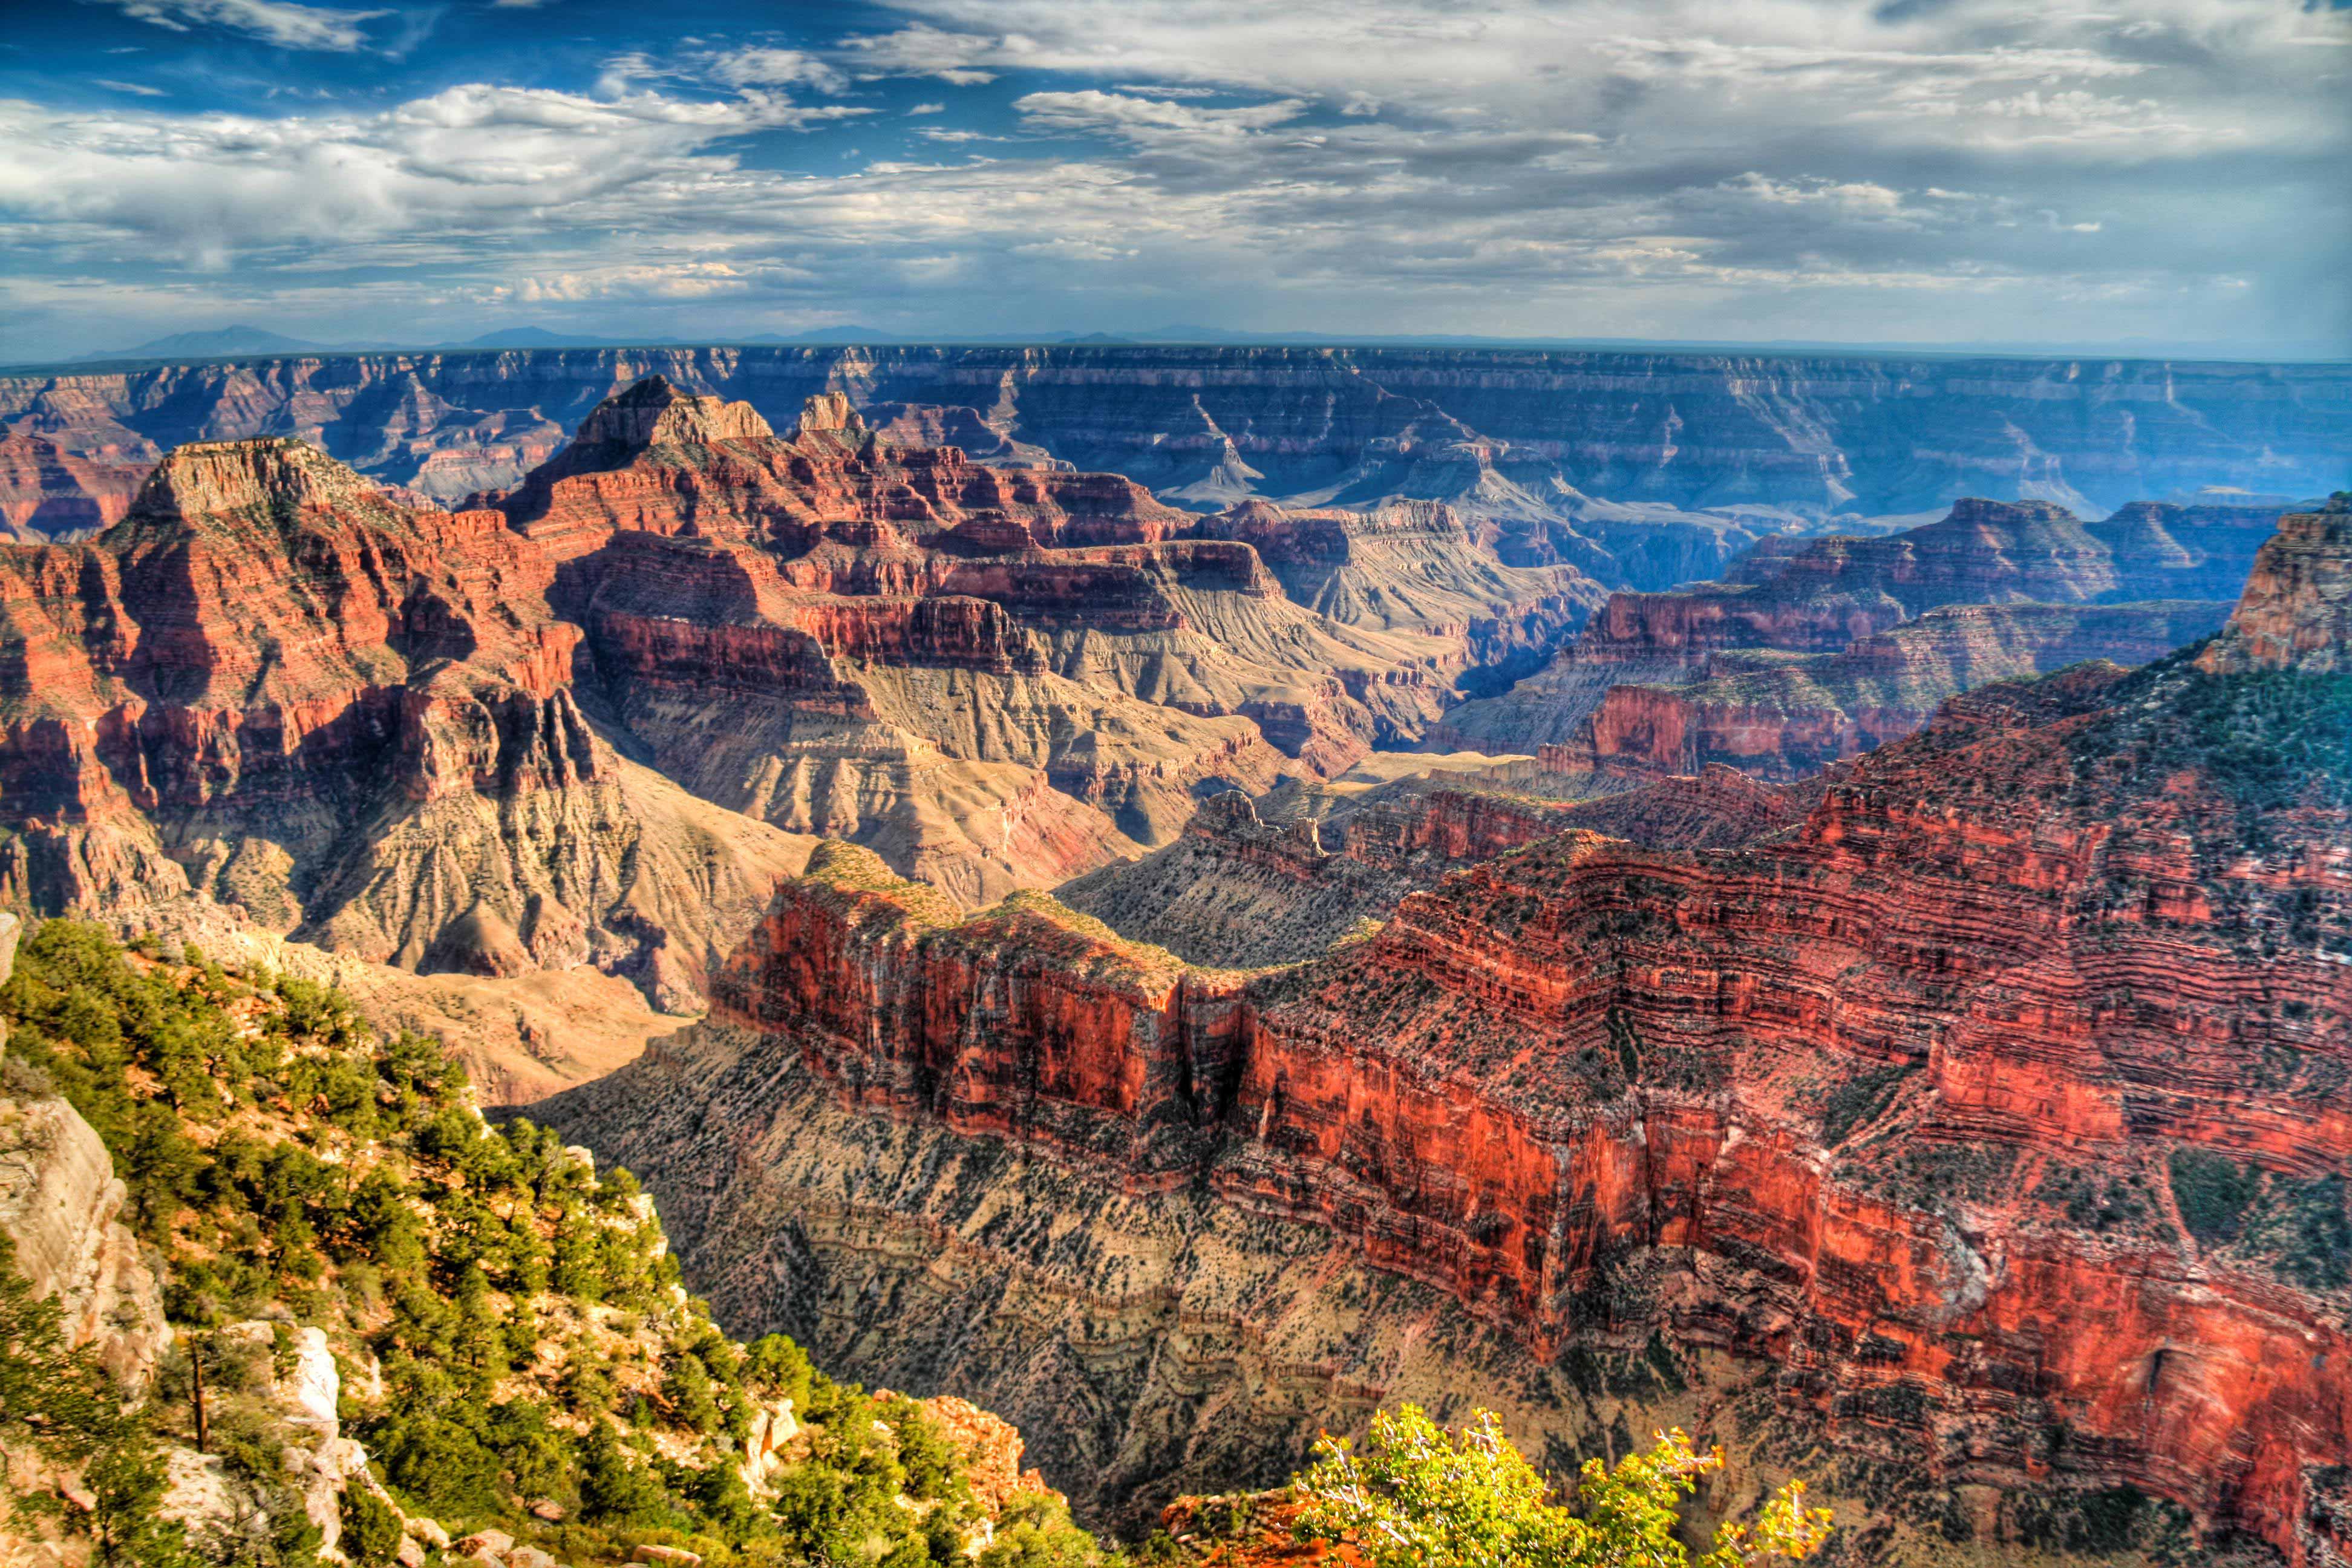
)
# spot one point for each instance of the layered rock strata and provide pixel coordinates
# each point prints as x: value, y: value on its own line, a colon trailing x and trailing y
x: 1241, y: 891
x: 1534, y: 434
x: 588, y: 723
x: 274, y: 686
x: 997, y: 677
x: 1989, y: 1128
x: 1813, y: 650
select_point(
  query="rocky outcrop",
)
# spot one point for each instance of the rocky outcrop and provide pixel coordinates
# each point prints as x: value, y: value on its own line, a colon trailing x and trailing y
x: 2297, y: 612
x: 1989, y: 1127
x: 1814, y: 650
x: 1531, y: 435
x: 271, y: 685
x: 48, y: 491
x: 275, y: 686
x: 996, y: 677
x: 1322, y: 864
x: 61, y: 1208
x: 1413, y: 566
x: 1820, y: 596
x: 1787, y: 717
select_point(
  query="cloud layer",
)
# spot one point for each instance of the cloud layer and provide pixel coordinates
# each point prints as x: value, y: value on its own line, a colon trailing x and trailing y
x: 1780, y: 169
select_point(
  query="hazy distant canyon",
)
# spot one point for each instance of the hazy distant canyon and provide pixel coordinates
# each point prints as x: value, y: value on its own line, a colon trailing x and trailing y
x: 1557, y: 443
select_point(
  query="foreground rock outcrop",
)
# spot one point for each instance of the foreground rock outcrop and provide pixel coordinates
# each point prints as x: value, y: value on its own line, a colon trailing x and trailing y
x: 1990, y: 1129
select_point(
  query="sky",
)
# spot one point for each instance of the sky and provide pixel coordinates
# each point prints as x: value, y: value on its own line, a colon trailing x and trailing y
x: 2166, y: 174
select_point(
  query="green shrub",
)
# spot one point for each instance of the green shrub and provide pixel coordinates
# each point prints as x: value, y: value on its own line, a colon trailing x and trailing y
x: 372, y: 1532
x: 2212, y: 1193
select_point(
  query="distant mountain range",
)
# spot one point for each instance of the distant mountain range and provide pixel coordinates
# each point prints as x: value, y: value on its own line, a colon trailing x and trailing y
x: 242, y: 341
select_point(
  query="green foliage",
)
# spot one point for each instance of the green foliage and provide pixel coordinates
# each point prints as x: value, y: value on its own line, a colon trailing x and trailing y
x: 1036, y: 1533
x: 59, y: 1399
x: 2267, y: 740
x: 2304, y: 1225
x: 371, y: 1531
x: 1860, y: 1100
x: 288, y: 1161
x: 2213, y: 1192
x: 1420, y: 1497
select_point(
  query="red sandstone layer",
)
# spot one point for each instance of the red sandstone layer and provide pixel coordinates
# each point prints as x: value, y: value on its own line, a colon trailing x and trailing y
x: 1910, y: 1101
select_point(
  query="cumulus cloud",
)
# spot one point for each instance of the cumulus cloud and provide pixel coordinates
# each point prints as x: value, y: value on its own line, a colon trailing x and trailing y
x: 279, y: 22
x: 777, y: 68
x: 467, y: 159
x: 923, y: 51
x: 1151, y: 119
x: 1677, y: 167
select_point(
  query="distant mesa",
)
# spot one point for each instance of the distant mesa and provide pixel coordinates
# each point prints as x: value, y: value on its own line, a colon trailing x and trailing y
x: 216, y: 343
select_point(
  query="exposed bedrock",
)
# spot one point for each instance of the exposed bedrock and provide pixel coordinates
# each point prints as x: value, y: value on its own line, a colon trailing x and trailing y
x: 1992, y: 1123
x: 1525, y: 432
x: 1813, y: 650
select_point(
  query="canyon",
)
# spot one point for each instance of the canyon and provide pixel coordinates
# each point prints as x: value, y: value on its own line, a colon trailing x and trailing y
x: 1579, y: 453
x: 1978, y: 1138
x: 585, y: 724
x: 1812, y: 651
x: 1199, y: 935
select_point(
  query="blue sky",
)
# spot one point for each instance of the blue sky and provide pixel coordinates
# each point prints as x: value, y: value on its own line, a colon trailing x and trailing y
x: 1939, y: 171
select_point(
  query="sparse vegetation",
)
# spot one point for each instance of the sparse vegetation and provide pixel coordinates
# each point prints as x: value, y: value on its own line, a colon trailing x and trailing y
x: 516, y: 1349
x: 1417, y: 1496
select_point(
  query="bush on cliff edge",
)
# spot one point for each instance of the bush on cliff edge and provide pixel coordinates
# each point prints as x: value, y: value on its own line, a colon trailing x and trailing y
x: 1420, y: 1497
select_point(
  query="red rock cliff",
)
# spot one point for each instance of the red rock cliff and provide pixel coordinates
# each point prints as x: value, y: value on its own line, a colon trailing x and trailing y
x: 2002, y: 1105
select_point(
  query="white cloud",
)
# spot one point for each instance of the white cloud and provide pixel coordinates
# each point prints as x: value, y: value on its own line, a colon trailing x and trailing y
x: 922, y: 51
x: 1856, y: 196
x: 777, y: 68
x: 278, y: 22
x: 926, y: 108
x: 130, y: 86
x: 1070, y: 248
x: 1151, y: 119
x: 1681, y: 167
x: 468, y: 159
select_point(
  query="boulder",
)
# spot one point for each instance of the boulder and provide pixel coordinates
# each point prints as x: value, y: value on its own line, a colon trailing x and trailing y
x: 61, y: 1204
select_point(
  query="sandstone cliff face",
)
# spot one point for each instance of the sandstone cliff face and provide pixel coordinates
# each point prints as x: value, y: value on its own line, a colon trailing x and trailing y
x: 1990, y: 1126
x: 49, y: 491
x: 1786, y: 717
x: 1412, y: 566
x: 272, y: 685
x: 276, y: 686
x: 1503, y: 432
x: 1814, y: 650
x: 2297, y: 612
x: 1323, y: 866
x: 998, y: 677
